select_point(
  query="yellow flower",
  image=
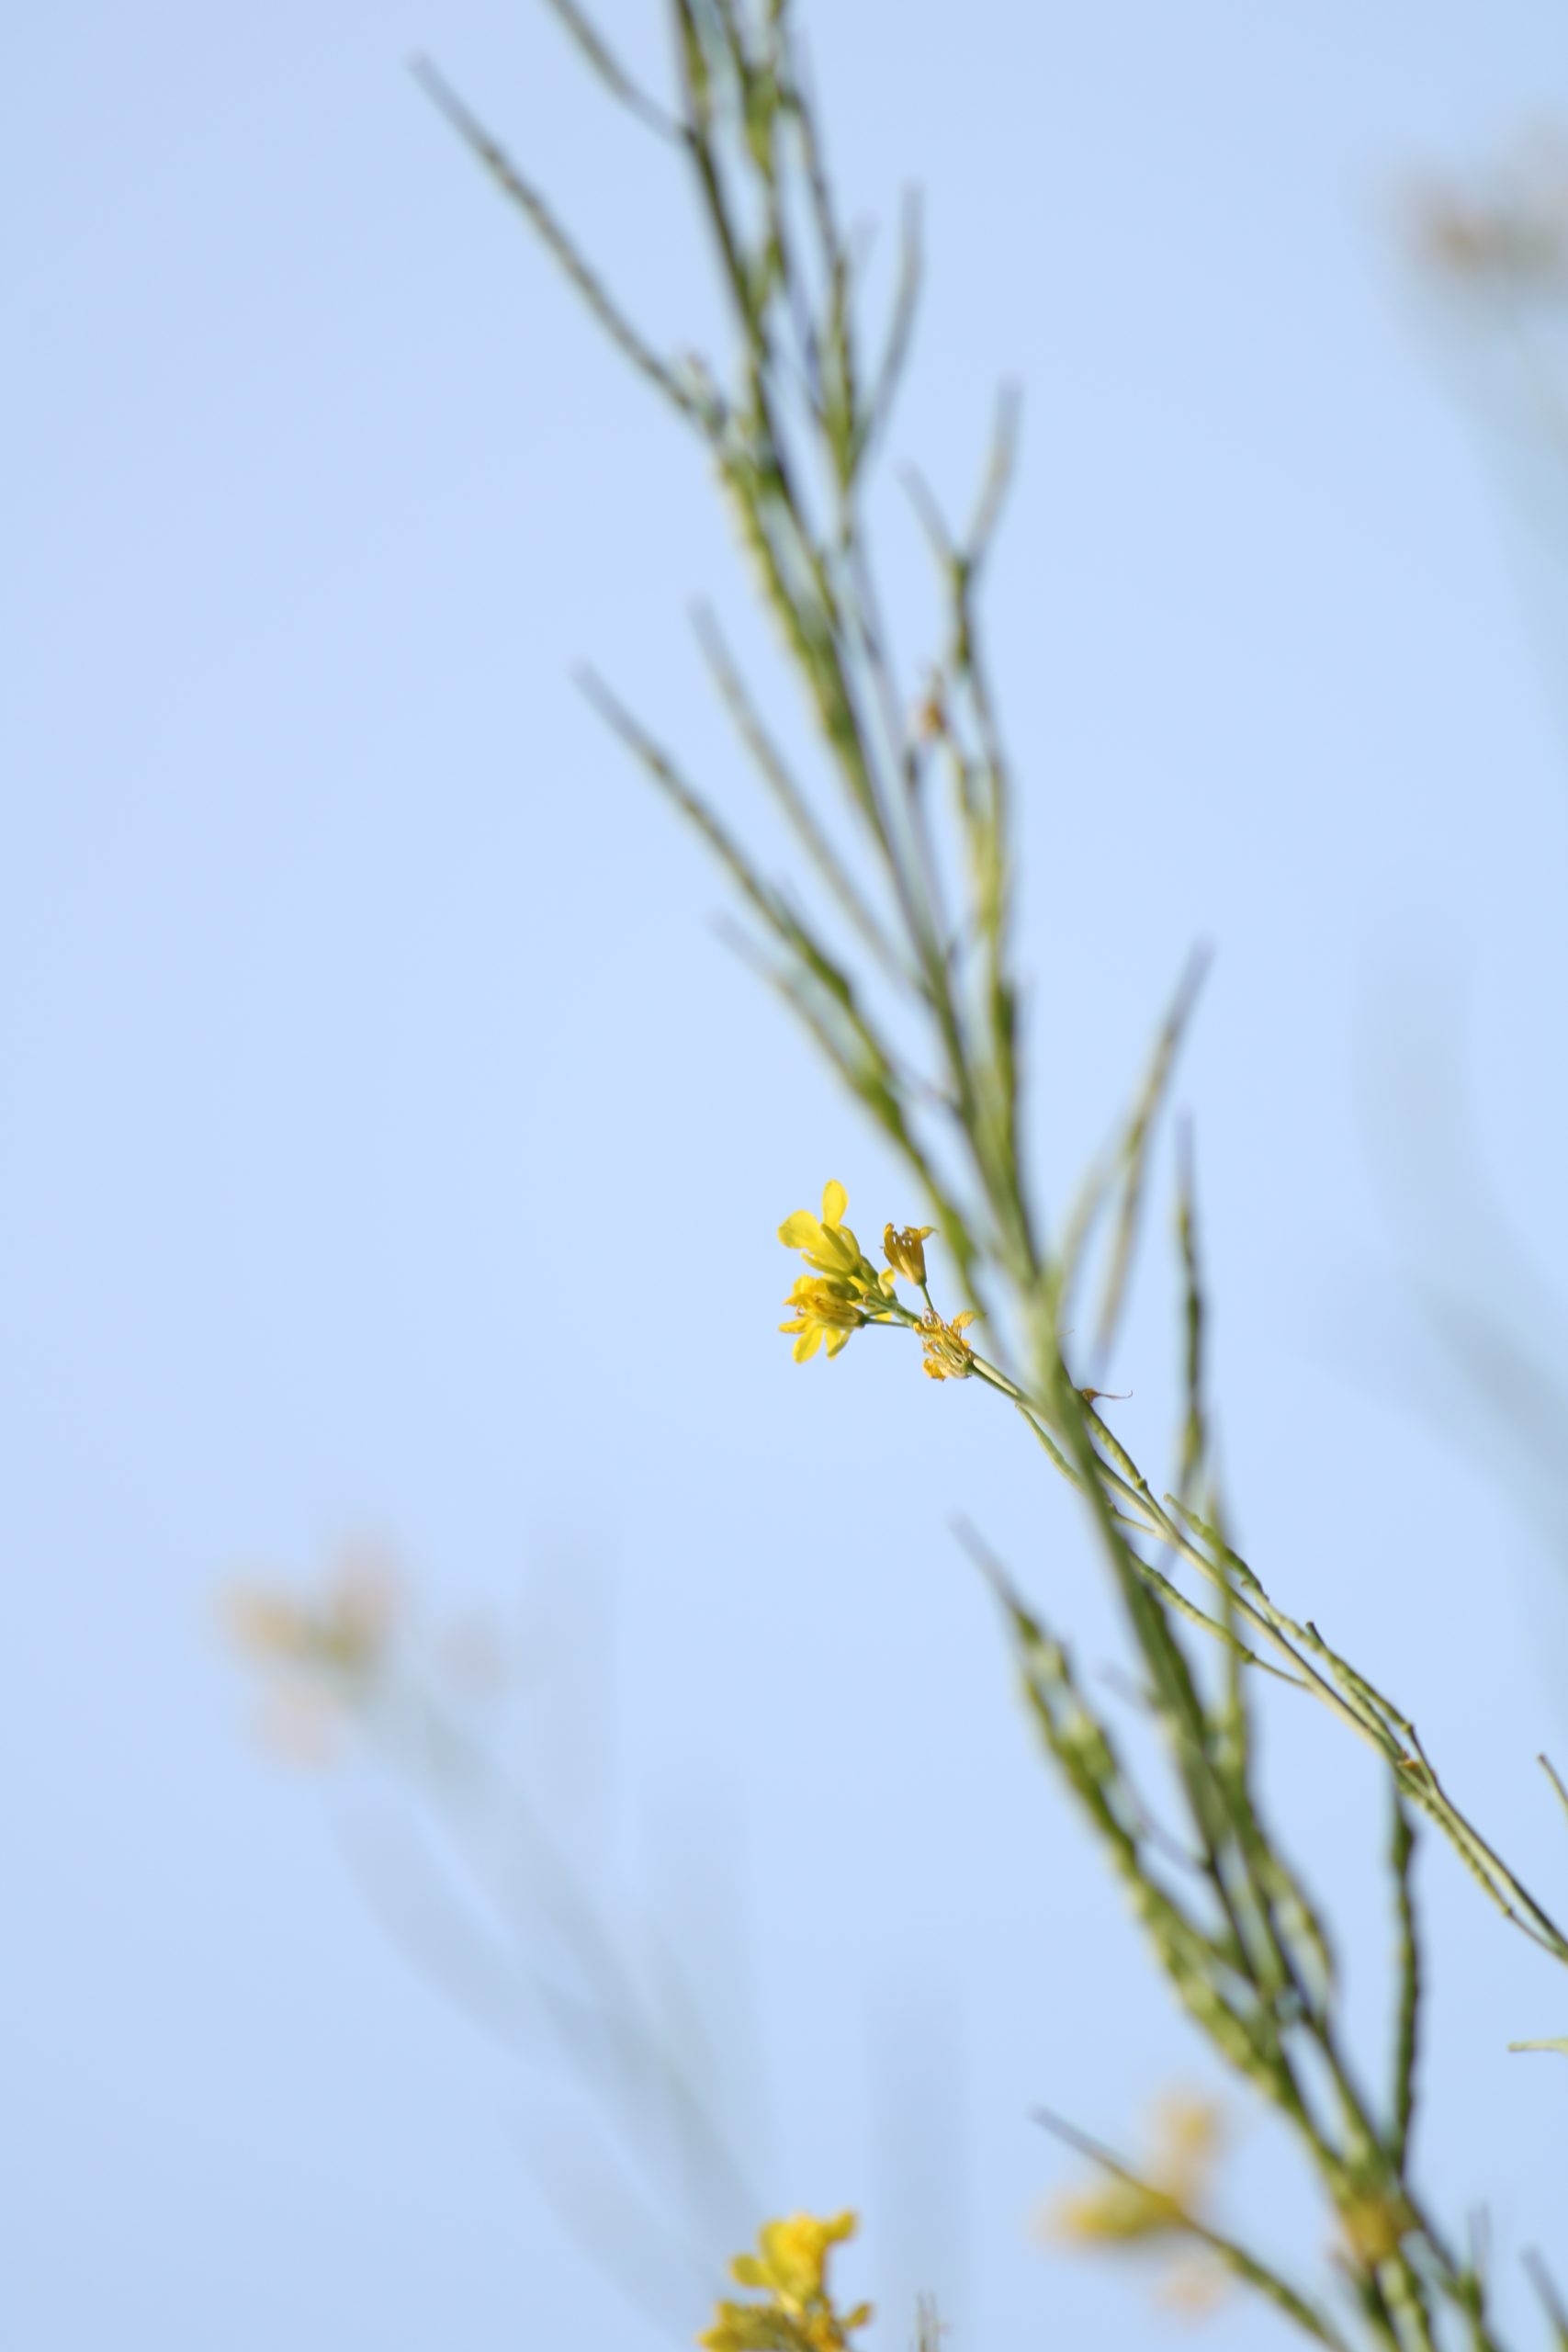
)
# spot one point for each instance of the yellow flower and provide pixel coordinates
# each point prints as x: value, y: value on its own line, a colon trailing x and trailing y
x: 825, y: 1242
x: 905, y: 1252
x: 1118, y: 2212
x: 342, y: 1636
x: 799, y: 2315
x: 843, y: 1290
x: 949, y: 1355
x: 323, y: 1655
x: 825, y: 1308
x: 1114, y: 2212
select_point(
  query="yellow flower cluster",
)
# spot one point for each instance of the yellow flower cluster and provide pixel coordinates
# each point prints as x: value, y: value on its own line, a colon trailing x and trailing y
x: 798, y: 2313
x: 340, y: 1635
x: 843, y: 1289
x: 1119, y: 2211
x: 324, y: 1655
x: 1115, y: 2213
x: 1514, y: 237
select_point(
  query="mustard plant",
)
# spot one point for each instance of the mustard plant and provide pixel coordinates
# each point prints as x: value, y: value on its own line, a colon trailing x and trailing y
x: 892, y: 939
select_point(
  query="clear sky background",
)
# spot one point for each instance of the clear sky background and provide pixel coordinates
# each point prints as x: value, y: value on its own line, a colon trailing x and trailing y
x: 392, y: 1149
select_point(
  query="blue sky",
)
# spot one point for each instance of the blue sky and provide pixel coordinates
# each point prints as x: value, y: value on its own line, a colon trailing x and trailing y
x: 395, y: 1150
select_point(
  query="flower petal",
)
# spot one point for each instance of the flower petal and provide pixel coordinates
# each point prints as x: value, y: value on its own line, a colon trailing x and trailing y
x: 802, y: 1231
x: 810, y: 1339
x: 835, y: 1201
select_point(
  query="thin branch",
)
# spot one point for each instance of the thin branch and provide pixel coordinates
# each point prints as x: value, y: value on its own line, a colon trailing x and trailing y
x: 1551, y: 2302
x: 999, y: 478
x: 791, y: 800
x: 614, y: 74
x: 1402, y: 1851
x: 889, y: 373
x: 591, y: 287
x: 1135, y: 1149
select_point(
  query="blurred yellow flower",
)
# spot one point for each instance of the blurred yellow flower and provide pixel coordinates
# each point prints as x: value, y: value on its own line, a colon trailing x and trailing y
x: 341, y: 1632
x: 905, y: 1251
x: 949, y: 1355
x: 1113, y: 2213
x: 790, y: 2268
x: 1117, y: 2212
x: 323, y: 1653
x: 1510, y: 237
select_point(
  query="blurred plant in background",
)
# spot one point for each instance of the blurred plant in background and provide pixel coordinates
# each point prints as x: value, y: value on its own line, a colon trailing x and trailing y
x: 1487, y: 255
x: 891, y: 938
x: 508, y: 1915
x: 1494, y: 250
